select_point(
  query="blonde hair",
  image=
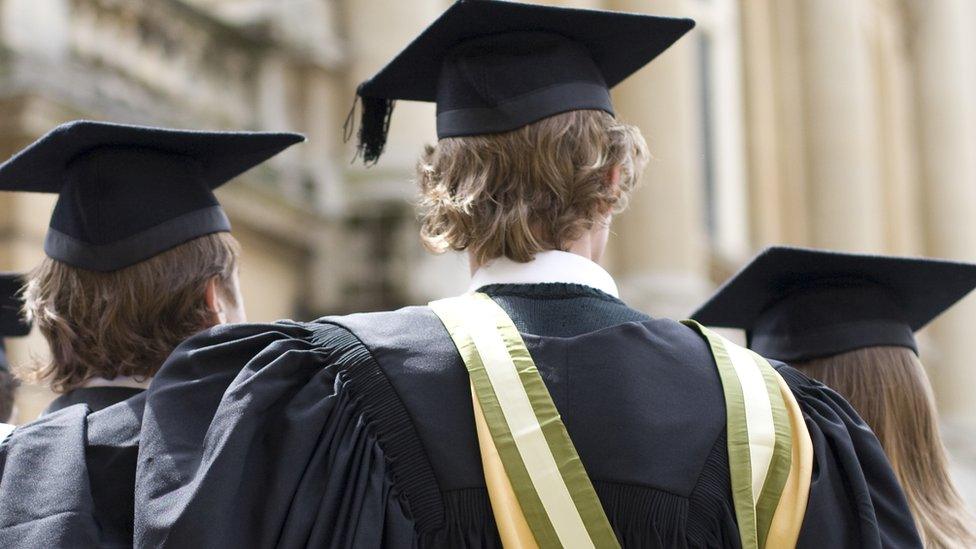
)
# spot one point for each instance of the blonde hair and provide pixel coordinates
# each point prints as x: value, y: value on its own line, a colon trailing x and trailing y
x: 532, y: 189
x: 125, y: 322
x: 889, y: 388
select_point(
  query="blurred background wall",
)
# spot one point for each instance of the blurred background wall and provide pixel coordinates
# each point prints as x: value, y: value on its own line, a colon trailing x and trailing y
x: 846, y: 124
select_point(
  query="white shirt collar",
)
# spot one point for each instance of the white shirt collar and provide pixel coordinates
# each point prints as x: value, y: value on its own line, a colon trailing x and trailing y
x: 547, y: 267
x: 5, y: 430
x: 118, y: 381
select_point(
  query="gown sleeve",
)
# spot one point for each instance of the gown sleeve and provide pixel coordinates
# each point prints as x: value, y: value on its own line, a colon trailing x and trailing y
x: 855, y: 499
x: 252, y: 438
x: 38, y: 508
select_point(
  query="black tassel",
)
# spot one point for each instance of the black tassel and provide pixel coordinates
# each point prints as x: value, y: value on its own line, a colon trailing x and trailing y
x: 373, y: 126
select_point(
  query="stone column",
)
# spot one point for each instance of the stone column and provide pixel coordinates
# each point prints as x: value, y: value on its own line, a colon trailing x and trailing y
x: 774, y: 114
x: 760, y: 112
x: 659, y: 243
x: 845, y: 192
x: 729, y: 234
x: 897, y: 134
x: 945, y: 86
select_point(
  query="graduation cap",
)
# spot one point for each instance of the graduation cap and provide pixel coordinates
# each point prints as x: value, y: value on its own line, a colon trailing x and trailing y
x: 800, y: 304
x: 128, y: 193
x: 494, y: 66
x: 12, y: 321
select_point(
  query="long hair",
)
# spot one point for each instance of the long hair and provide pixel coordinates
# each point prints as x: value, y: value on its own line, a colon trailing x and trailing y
x: 889, y: 388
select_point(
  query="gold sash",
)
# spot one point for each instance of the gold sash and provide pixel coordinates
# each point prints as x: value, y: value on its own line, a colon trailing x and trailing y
x: 540, y: 493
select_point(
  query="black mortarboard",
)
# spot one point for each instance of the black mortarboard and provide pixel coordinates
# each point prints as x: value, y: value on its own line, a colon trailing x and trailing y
x: 12, y: 321
x: 800, y: 304
x: 128, y: 193
x: 493, y: 66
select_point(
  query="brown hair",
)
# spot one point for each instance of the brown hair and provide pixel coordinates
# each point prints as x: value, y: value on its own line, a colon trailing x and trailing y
x: 536, y: 188
x: 889, y: 388
x: 125, y: 322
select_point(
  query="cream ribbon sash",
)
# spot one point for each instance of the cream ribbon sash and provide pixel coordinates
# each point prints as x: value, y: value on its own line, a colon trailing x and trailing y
x: 540, y: 493
x: 553, y: 499
x: 770, y: 452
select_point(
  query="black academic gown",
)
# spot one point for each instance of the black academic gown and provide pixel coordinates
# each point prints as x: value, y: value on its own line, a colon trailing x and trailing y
x: 66, y: 479
x: 357, y: 431
x: 96, y: 398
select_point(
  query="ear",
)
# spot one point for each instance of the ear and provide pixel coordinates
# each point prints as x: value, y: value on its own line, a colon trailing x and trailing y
x: 613, y: 178
x: 214, y: 304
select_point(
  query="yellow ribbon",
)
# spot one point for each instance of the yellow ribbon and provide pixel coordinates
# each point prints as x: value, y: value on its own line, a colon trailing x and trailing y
x: 784, y: 529
x: 512, y: 527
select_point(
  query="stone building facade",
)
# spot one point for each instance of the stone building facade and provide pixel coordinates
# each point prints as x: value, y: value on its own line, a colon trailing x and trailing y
x: 845, y: 124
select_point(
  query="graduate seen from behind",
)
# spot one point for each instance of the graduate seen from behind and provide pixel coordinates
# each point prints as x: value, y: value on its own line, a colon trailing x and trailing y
x: 536, y: 410
x: 139, y: 257
x: 848, y: 320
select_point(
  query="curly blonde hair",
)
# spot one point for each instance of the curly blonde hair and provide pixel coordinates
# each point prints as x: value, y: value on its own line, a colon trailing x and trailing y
x: 125, y: 322
x: 536, y: 188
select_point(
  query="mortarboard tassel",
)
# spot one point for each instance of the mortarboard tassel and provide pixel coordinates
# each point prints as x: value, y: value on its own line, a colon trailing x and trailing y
x: 373, y: 126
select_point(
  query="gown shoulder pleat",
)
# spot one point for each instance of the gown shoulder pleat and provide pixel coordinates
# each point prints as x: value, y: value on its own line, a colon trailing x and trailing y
x: 855, y: 499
